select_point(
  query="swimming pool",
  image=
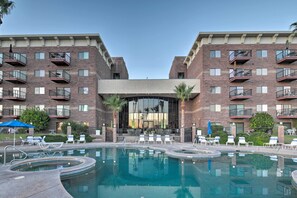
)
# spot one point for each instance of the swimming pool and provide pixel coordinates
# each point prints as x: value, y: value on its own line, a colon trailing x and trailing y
x: 150, y: 173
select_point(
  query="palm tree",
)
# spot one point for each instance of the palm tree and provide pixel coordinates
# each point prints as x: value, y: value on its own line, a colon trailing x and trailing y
x: 294, y: 27
x: 183, y: 92
x: 5, y: 7
x: 116, y: 104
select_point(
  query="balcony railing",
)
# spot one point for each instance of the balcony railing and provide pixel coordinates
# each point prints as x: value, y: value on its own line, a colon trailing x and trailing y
x: 240, y: 113
x: 14, y: 95
x: 60, y: 58
x: 286, y: 75
x: 15, y: 77
x: 287, y: 113
x: 286, y: 56
x: 59, y: 113
x: 240, y: 75
x: 240, y: 94
x: 286, y: 94
x: 59, y: 77
x: 240, y: 56
x: 59, y: 94
x: 15, y: 59
x: 12, y: 113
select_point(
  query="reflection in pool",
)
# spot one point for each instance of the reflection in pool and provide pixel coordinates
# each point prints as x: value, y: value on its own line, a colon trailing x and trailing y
x: 150, y: 173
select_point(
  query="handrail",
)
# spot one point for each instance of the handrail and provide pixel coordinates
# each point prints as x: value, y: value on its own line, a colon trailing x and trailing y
x: 5, y: 148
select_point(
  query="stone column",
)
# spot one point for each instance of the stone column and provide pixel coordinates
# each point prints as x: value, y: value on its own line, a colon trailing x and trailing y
x: 281, y: 133
x: 31, y: 131
x: 69, y: 129
x: 103, y: 132
x: 193, y: 132
x: 233, y: 130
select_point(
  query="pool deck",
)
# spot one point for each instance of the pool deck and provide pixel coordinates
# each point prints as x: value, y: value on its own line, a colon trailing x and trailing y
x: 47, y: 184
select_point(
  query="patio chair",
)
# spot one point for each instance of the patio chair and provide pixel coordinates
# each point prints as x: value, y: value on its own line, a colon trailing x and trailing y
x: 48, y: 145
x: 167, y: 139
x: 151, y: 138
x: 292, y: 145
x: 159, y: 139
x: 141, y: 139
x: 82, y: 138
x: 272, y: 141
x: 202, y: 140
x: 217, y: 140
x: 230, y: 140
x: 70, y: 138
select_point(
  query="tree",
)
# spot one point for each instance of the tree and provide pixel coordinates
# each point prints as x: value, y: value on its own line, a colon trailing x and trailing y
x: 37, y: 117
x: 116, y: 104
x: 261, y: 122
x: 5, y: 8
x: 183, y: 93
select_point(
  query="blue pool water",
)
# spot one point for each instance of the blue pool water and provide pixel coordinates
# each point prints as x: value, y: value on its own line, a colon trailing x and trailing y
x: 128, y: 173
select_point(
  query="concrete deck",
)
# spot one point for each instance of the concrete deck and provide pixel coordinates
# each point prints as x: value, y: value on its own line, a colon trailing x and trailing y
x: 48, y: 184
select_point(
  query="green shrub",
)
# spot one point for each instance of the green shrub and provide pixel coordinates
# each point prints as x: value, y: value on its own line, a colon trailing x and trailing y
x: 262, y: 122
x: 223, y: 136
x: 55, y: 138
x: 258, y: 138
x: 216, y: 128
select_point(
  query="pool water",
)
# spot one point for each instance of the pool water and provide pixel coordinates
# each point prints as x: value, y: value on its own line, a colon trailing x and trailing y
x: 128, y: 173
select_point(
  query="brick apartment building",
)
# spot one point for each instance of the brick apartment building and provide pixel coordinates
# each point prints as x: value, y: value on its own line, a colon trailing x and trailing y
x: 235, y: 74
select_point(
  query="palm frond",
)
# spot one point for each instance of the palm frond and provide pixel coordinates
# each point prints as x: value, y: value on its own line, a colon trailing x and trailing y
x: 294, y: 27
x: 183, y: 92
x: 115, y: 103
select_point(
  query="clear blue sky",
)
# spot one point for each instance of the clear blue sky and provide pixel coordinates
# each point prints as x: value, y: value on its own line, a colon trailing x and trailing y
x: 148, y: 33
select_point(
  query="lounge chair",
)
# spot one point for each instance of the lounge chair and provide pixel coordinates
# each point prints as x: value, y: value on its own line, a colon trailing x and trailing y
x: 70, y: 138
x: 141, y: 139
x: 159, y: 139
x: 151, y: 138
x: 22, y: 141
x: 167, y: 139
x: 216, y: 140
x: 272, y: 141
x: 33, y: 140
x: 292, y: 145
x: 82, y: 138
x: 230, y: 140
x: 241, y: 140
x: 49, y: 145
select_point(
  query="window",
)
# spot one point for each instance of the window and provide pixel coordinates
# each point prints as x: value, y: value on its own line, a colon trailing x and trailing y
x: 116, y: 76
x: 39, y: 56
x: 83, y: 107
x: 180, y: 75
x: 262, y: 89
x: 215, y: 72
x: 261, y: 72
x: 215, y: 108
x: 39, y: 73
x: 40, y: 107
x: 83, y: 72
x: 239, y: 126
x: 215, y: 90
x: 18, y: 109
x: 1, y: 58
x: 261, y: 53
x: 262, y: 108
x: 215, y: 54
x: 39, y: 90
x: 83, y: 90
x: 83, y: 55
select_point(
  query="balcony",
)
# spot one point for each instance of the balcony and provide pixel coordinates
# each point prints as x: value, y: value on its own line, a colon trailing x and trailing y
x: 286, y: 56
x: 286, y: 113
x: 286, y: 75
x: 59, y: 77
x: 60, y: 59
x: 240, y: 75
x: 240, y: 113
x: 240, y: 56
x: 12, y: 113
x: 15, y: 59
x: 59, y: 113
x: 286, y: 94
x: 15, y: 77
x: 14, y: 95
x: 59, y: 95
x: 240, y: 94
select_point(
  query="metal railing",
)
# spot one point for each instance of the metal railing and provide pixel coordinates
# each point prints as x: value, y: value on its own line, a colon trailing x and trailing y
x: 240, y: 112
x: 286, y: 92
x: 287, y: 112
x: 5, y: 155
x: 12, y: 112
x: 15, y: 74
x: 64, y: 75
x: 240, y: 92
x: 14, y: 93
x: 286, y: 73
x: 240, y: 73
x: 58, y: 93
x: 240, y: 53
x: 286, y: 53
x: 59, y: 112
x: 16, y: 56
x: 60, y: 55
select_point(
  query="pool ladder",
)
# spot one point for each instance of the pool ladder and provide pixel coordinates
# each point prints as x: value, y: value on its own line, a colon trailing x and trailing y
x: 21, y: 151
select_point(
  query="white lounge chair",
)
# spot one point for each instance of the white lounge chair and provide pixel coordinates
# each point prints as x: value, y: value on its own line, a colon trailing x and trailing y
x: 167, y: 139
x: 292, y: 145
x: 272, y: 141
x: 216, y: 140
x: 70, y: 138
x: 159, y: 139
x: 230, y: 140
x: 82, y: 138
x: 33, y: 140
x: 241, y: 140
x: 141, y: 139
x: 151, y: 138
x: 49, y: 145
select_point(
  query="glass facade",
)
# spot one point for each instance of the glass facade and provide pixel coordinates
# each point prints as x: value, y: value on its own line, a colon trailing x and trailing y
x: 150, y: 112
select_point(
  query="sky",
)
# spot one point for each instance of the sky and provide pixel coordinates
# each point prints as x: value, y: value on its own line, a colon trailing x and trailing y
x: 148, y: 33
